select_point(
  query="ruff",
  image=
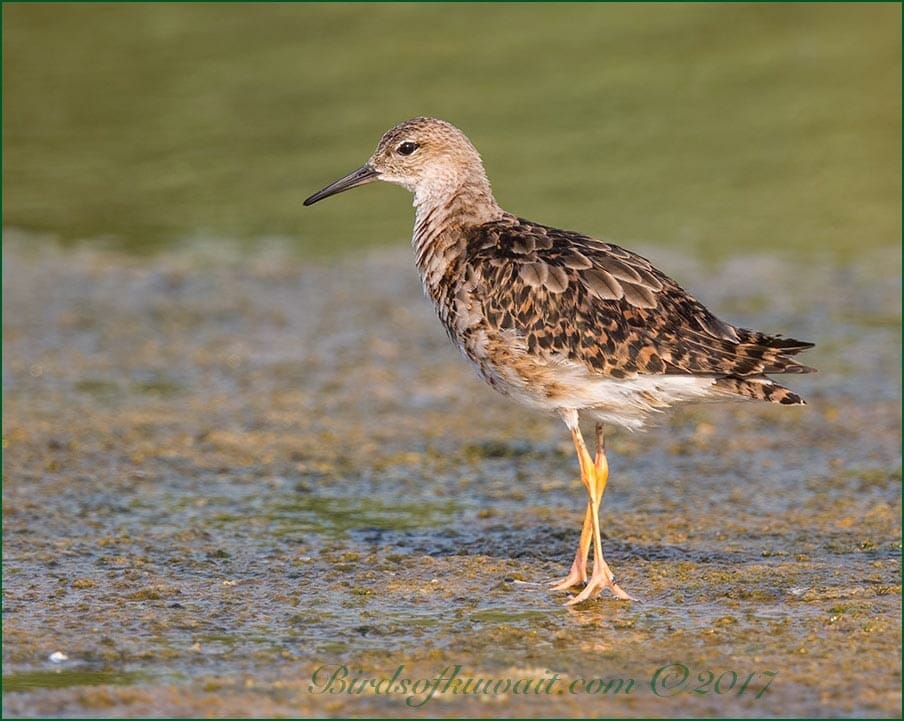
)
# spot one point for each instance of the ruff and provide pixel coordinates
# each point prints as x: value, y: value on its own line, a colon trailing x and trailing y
x: 559, y: 320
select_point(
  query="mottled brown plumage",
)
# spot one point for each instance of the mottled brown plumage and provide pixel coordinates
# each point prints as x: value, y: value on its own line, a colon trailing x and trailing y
x: 568, y: 295
x: 560, y: 320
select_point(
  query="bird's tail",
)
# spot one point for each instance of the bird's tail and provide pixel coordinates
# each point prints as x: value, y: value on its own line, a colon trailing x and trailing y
x: 758, y: 387
x: 770, y: 354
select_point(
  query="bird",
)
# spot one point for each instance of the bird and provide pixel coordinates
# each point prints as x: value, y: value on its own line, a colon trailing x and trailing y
x: 561, y: 321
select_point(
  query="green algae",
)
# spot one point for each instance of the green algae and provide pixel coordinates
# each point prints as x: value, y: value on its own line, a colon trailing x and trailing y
x: 65, y: 678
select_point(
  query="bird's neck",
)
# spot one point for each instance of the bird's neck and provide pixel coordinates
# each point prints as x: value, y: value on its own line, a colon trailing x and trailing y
x: 465, y: 201
x: 440, y: 225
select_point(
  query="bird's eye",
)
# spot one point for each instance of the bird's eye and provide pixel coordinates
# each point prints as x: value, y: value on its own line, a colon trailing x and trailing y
x: 407, y: 148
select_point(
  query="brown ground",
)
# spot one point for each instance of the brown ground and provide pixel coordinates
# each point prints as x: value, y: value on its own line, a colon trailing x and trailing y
x: 228, y: 477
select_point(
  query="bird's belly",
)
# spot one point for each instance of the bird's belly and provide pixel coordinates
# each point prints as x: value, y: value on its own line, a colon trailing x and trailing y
x: 553, y: 383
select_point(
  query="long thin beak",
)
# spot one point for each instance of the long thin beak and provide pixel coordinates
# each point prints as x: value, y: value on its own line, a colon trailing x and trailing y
x: 364, y: 174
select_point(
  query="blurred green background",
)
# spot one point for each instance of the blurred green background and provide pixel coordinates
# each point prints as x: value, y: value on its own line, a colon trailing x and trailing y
x: 719, y: 127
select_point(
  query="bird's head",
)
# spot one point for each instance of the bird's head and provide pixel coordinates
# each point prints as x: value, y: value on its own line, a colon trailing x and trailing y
x: 430, y: 157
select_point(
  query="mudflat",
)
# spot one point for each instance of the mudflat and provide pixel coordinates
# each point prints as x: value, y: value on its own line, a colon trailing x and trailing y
x: 242, y: 483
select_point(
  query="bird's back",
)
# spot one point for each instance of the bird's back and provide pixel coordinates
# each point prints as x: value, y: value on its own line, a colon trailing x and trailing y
x: 539, y: 309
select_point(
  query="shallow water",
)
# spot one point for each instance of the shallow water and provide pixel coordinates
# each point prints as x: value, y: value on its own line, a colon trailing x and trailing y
x: 231, y: 478
x: 713, y: 125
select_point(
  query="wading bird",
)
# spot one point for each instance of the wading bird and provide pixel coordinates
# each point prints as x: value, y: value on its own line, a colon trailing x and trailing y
x: 559, y: 320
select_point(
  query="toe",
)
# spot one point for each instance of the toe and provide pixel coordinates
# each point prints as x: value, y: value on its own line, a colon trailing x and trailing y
x: 563, y: 584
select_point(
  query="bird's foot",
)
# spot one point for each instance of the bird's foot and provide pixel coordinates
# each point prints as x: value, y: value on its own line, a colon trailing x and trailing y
x: 576, y: 576
x: 601, y: 578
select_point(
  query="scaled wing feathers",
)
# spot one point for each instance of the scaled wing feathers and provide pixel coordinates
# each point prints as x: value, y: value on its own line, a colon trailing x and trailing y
x: 572, y: 295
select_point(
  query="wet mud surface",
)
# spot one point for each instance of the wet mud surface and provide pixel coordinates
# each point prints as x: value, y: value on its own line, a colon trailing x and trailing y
x: 243, y: 484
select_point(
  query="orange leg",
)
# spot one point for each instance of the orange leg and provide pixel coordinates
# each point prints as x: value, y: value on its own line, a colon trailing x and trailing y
x: 578, y: 573
x: 594, y: 475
